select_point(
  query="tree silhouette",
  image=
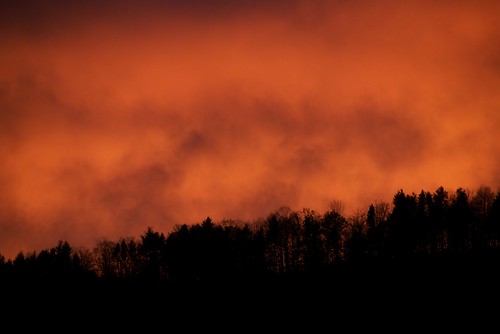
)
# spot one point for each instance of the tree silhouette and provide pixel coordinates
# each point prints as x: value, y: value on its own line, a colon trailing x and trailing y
x: 313, y: 248
x: 438, y: 216
x: 333, y: 225
x: 62, y: 255
x: 401, y: 223
x: 151, y: 251
x: 374, y: 238
x: 493, y: 224
x: 460, y: 230
x: 437, y: 237
x: 425, y: 233
x: 284, y: 239
x: 105, y: 263
x: 356, y: 244
x: 180, y: 254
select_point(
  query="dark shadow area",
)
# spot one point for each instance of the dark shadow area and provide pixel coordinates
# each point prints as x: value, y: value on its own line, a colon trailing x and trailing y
x: 436, y: 254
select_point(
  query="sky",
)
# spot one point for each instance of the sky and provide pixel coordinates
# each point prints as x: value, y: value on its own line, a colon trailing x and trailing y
x: 119, y: 116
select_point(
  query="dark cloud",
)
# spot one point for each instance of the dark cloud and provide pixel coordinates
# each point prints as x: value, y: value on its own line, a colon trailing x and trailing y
x: 391, y: 139
x: 35, y: 19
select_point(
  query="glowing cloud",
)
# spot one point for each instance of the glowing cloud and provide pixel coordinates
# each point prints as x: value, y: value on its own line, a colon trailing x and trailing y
x: 121, y: 116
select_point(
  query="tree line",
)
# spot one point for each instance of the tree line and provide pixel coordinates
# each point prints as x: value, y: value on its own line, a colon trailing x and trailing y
x: 426, y: 225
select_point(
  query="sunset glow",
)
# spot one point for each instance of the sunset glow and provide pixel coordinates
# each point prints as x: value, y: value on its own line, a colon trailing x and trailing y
x: 156, y: 113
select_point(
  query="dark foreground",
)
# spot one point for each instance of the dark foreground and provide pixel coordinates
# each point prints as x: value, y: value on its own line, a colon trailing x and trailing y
x: 453, y: 290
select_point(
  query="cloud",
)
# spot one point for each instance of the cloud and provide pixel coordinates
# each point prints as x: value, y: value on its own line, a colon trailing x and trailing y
x: 115, y: 116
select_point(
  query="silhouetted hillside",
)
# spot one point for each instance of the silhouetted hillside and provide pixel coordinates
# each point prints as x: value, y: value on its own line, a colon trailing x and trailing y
x: 424, y: 247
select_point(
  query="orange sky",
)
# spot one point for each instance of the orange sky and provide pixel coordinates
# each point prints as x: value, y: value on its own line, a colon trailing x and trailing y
x: 154, y: 113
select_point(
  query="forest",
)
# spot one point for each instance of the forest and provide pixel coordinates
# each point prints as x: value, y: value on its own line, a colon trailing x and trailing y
x: 432, y: 228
